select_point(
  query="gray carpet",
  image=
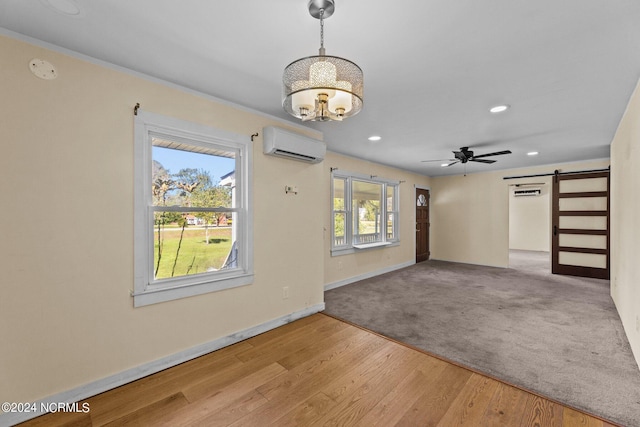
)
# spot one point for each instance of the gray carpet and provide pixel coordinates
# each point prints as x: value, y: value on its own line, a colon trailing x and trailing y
x: 558, y: 336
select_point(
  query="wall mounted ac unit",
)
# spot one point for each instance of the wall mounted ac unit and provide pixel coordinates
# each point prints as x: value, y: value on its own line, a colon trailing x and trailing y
x: 527, y: 192
x: 283, y: 143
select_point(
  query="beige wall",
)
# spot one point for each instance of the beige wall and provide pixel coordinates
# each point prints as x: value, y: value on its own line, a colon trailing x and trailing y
x: 67, y: 242
x: 345, y: 267
x: 66, y: 256
x: 625, y: 221
x: 530, y: 219
x: 470, y: 214
x: 470, y: 219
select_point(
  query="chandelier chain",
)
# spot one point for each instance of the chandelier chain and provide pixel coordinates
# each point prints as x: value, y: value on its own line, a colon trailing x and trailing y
x: 321, y: 28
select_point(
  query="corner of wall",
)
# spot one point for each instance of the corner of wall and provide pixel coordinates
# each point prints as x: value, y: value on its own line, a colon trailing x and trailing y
x: 625, y: 227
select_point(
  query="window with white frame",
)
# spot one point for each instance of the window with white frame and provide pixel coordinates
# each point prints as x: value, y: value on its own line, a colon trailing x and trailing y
x: 364, y: 212
x: 193, y: 230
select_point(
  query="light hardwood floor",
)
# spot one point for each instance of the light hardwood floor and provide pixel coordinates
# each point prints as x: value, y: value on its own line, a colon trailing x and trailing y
x: 319, y: 371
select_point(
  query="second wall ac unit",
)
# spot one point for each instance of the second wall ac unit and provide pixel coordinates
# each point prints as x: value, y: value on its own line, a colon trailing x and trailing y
x: 283, y: 143
x: 527, y: 192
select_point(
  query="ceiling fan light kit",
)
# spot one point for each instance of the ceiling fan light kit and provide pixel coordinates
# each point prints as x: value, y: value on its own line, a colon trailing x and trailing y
x: 322, y: 87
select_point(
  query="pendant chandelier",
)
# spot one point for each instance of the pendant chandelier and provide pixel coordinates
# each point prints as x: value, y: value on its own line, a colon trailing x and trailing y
x: 322, y: 88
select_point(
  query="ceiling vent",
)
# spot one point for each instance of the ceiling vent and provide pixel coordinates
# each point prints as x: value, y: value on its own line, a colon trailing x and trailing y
x: 520, y: 192
x: 283, y: 143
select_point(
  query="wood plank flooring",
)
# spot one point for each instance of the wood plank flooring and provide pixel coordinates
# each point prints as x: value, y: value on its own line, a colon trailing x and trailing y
x: 319, y: 371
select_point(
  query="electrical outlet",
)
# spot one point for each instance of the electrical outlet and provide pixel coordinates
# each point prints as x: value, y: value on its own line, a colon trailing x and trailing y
x: 285, y: 292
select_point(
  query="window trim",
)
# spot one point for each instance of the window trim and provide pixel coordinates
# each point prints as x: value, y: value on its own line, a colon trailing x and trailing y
x: 146, y: 290
x: 349, y: 247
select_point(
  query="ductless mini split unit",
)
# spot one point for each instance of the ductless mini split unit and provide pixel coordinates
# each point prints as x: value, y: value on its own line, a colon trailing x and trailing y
x: 520, y: 192
x: 290, y: 145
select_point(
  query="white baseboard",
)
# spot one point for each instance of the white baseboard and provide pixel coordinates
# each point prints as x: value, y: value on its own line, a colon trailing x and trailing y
x: 368, y: 275
x: 470, y: 263
x: 113, y: 381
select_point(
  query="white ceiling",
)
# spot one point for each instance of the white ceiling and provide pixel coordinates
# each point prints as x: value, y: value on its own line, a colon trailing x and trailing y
x: 432, y: 68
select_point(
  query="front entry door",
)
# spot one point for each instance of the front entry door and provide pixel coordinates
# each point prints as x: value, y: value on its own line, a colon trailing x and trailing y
x: 580, y: 240
x: 422, y: 225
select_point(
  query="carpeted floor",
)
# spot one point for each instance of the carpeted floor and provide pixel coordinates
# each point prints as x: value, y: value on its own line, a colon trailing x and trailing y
x: 559, y: 336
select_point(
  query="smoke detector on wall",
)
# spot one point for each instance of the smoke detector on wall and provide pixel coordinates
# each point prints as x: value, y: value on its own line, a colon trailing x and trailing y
x: 43, y: 69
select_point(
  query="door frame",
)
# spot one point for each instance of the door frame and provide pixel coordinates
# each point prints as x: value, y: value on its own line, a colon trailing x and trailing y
x: 544, y: 184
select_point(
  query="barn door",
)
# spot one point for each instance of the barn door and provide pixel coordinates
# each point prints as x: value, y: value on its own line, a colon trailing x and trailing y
x: 580, y: 220
x: 422, y: 225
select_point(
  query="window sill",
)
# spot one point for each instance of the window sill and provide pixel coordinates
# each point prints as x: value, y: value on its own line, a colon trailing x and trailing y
x: 371, y: 245
x: 362, y: 248
x: 154, y: 296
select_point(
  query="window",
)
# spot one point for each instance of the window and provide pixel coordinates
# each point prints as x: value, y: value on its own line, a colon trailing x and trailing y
x: 192, y: 209
x: 364, y: 212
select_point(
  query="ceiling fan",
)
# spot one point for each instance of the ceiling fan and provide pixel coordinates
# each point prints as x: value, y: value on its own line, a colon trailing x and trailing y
x: 465, y: 155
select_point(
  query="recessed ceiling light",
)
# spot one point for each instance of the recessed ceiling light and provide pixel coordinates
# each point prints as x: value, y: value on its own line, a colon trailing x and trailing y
x: 375, y: 138
x: 499, y: 108
x: 532, y: 153
x: 65, y: 7
x: 444, y: 165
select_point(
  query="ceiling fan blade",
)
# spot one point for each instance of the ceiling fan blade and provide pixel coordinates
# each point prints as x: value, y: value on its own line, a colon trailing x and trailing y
x: 437, y: 160
x: 452, y: 163
x: 497, y: 153
x: 482, y: 160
